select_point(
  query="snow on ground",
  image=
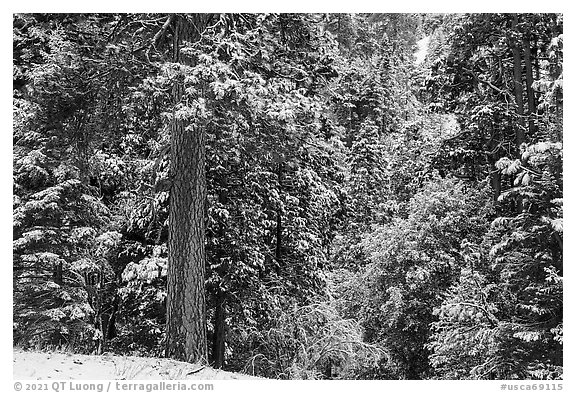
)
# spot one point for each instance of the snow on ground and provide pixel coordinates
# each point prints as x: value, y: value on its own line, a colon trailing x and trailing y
x: 55, y: 365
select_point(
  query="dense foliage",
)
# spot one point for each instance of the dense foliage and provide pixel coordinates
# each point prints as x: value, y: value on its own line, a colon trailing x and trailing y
x: 367, y: 216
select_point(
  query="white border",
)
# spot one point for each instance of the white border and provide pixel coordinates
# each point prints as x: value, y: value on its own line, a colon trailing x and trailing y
x: 298, y: 6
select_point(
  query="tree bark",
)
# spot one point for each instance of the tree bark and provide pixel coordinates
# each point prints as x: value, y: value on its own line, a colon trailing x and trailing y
x: 518, y: 89
x: 219, y: 341
x: 111, y: 325
x: 537, y: 94
x: 558, y: 96
x: 279, y: 221
x: 186, y: 315
x: 496, y: 180
x: 58, y: 273
x: 529, y: 89
x: 219, y: 321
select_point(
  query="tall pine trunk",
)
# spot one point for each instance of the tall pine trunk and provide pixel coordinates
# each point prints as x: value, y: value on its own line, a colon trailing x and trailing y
x: 186, y: 316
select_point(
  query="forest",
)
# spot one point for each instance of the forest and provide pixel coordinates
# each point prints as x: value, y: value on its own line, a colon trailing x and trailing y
x: 292, y: 196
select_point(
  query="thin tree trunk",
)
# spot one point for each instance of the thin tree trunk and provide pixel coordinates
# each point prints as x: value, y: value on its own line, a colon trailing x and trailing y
x: 186, y: 315
x: 559, y: 96
x: 492, y: 158
x: 278, y: 235
x: 519, y: 96
x: 529, y: 89
x: 219, y: 342
x: 559, y: 115
x: 219, y: 321
x: 111, y: 326
x: 518, y: 89
x: 279, y: 221
x: 537, y: 94
x: 58, y: 273
x: 496, y: 179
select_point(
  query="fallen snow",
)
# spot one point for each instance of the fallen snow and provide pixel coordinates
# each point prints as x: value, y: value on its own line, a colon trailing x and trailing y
x: 55, y: 365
